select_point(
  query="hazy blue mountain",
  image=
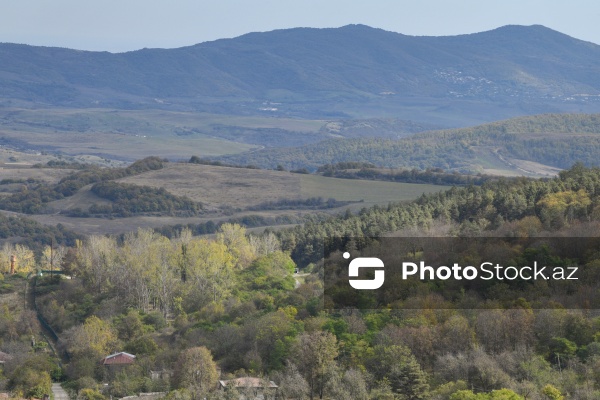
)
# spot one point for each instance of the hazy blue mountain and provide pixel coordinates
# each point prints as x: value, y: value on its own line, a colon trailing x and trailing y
x: 353, y: 70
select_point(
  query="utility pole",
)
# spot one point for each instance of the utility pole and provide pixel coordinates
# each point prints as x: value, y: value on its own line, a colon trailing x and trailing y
x: 51, y: 259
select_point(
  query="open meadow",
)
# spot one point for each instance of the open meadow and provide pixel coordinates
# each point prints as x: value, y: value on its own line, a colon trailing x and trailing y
x: 232, y: 193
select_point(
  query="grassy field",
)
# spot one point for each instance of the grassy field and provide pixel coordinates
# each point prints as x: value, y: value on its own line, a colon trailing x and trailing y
x: 228, y: 193
x: 25, y: 172
x: 239, y: 188
x: 492, y: 163
x: 367, y: 192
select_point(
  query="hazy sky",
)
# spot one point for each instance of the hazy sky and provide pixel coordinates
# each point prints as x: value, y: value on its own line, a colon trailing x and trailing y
x: 122, y: 25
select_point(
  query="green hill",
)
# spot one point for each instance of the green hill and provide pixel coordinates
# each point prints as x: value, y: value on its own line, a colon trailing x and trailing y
x: 555, y: 140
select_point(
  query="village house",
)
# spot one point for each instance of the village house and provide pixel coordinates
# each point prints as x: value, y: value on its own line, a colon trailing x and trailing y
x: 116, y: 362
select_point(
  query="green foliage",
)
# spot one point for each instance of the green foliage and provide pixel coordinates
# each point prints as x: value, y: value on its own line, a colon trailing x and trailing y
x: 31, y: 380
x: 398, y: 366
x: 562, y: 347
x: 155, y: 319
x: 33, y: 199
x: 35, y: 235
x: 96, y: 338
x: 91, y: 394
x: 270, y: 272
x: 575, y: 139
x: 238, y: 299
x: 475, y: 208
x: 552, y: 393
x: 502, y: 394
x: 435, y: 176
x: 131, y: 200
x: 195, y: 369
x: 144, y: 345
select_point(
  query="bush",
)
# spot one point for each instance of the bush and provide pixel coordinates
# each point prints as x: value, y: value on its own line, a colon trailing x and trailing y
x: 156, y: 319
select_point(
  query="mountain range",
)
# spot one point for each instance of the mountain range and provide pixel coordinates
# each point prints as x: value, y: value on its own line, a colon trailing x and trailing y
x: 353, y: 71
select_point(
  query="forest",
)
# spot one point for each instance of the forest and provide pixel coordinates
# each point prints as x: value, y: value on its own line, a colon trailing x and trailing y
x: 199, y: 309
x: 559, y: 140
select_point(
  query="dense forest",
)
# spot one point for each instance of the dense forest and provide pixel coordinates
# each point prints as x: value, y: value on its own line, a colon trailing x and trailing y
x: 504, y: 204
x: 196, y: 307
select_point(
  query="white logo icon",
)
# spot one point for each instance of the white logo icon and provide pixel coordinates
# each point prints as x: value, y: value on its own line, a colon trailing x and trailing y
x: 365, y: 262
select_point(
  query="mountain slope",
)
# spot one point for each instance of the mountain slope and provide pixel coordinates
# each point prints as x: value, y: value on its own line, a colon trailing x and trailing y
x: 325, y: 71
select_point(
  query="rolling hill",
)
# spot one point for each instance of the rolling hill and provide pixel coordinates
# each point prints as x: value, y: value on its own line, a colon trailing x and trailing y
x: 534, y: 145
x: 224, y: 193
x: 353, y: 71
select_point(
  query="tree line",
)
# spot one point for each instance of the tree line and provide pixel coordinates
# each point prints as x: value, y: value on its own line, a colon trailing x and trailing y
x: 434, y: 176
x: 33, y: 198
x: 128, y: 200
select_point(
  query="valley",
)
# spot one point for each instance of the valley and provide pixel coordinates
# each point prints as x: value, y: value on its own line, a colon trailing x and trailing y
x: 190, y: 203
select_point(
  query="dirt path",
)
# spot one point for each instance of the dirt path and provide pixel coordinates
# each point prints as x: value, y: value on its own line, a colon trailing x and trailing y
x: 59, y: 392
x: 298, y: 282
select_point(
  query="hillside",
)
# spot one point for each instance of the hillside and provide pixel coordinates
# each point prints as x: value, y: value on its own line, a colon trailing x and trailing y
x: 353, y: 70
x: 209, y: 300
x: 152, y: 194
x: 541, y: 143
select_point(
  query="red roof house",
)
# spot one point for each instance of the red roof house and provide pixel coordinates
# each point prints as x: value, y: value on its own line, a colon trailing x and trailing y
x: 121, y: 358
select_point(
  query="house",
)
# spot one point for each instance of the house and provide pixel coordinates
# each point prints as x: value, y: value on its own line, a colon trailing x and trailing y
x: 251, y: 388
x: 121, y: 358
x: 115, y: 363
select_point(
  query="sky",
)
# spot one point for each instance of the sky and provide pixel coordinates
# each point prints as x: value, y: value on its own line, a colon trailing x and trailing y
x: 124, y: 25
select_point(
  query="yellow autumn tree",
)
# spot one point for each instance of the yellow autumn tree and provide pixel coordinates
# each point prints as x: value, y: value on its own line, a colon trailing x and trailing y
x: 234, y: 237
x: 558, y: 209
x: 195, y: 370
x: 210, y: 271
x: 25, y: 260
x: 95, y: 338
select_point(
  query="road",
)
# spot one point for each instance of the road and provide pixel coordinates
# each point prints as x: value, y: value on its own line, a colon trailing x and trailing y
x: 59, y: 392
x: 298, y: 283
